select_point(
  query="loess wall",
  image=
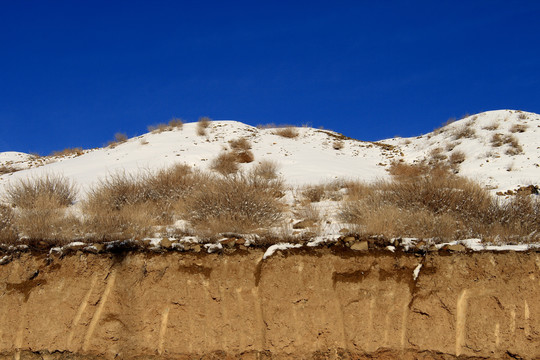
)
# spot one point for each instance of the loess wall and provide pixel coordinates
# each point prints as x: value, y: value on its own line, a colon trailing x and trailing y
x: 316, y: 304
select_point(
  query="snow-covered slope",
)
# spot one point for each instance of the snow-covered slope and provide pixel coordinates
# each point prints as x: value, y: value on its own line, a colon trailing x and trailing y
x: 311, y: 157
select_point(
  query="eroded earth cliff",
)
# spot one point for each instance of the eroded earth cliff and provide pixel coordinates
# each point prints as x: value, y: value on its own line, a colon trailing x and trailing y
x: 302, y: 304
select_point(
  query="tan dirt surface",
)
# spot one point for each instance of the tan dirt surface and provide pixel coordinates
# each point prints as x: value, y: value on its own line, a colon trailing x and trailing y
x: 298, y: 304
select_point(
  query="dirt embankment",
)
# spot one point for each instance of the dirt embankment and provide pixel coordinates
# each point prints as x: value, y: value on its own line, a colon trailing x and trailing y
x: 316, y: 304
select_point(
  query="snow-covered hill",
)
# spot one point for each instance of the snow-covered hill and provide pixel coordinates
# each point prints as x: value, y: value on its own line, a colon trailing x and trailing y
x: 500, y: 149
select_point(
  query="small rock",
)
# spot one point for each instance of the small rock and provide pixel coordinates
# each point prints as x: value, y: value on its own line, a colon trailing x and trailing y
x: 196, y: 248
x: 166, y: 243
x: 344, y: 231
x: 360, y: 246
x: 99, y: 247
x: 456, y: 248
x: 228, y: 243
x: 349, y: 240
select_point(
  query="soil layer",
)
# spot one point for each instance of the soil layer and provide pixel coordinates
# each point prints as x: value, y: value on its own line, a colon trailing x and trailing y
x: 298, y: 304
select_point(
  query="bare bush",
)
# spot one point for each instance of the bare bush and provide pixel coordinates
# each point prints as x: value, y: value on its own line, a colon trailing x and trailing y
x: 266, y: 169
x: 226, y: 163
x: 240, y: 144
x: 241, y: 204
x: 68, y: 152
x: 202, y: 124
x: 27, y: 192
x: 497, y: 140
x: 493, y: 126
x: 7, y: 169
x: 464, y: 131
x: 176, y: 123
x: 287, y: 132
x: 338, y: 145
x: 7, y: 232
x: 518, y: 128
x: 457, y: 157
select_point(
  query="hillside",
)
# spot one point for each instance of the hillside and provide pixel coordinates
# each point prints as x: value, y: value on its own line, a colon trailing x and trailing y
x: 318, y: 173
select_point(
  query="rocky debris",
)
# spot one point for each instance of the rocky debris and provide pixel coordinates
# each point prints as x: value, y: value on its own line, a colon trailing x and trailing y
x: 522, y: 190
x: 455, y: 248
x: 360, y: 246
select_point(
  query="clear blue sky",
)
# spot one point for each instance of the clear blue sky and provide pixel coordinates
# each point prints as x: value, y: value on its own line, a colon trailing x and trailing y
x: 72, y: 73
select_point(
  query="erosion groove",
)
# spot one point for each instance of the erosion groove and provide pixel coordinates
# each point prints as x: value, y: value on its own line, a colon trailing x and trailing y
x: 297, y: 305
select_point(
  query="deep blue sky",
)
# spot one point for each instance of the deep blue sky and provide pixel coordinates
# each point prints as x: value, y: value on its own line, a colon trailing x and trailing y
x: 72, y: 73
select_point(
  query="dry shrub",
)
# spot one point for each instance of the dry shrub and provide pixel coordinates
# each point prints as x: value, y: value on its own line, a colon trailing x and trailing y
x: 457, y: 157
x: 7, y: 169
x: 437, y: 155
x: 522, y: 116
x: 514, y: 148
x: 518, y: 128
x: 464, y: 131
x: 244, y: 203
x: 176, y: 123
x: 126, y: 206
x: 159, y: 128
x: 266, y: 169
x: 119, y: 138
x: 244, y: 157
x: 226, y: 163
x: 27, y: 193
x: 424, y: 203
x: 68, y: 152
x: 287, y: 132
x: 493, y: 126
x: 7, y: 232
x: 401, y: 169
x: 323, y: 191
x: 41, y: 213
x: 47, y: 221
x: 497, y: 140
x: 338, y: 145
x: 240, y: 144
x: 202, y: 125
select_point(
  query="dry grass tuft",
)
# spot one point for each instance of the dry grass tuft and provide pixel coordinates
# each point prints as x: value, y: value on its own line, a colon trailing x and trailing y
x: 244, y: 157
x: 119, y: 138
x: 7, y: 169
x: 240, y: 144
x: 287, y: 132
x: 338, y: 145
x: 226, y: 163
x: 27, y: 193
x: 518, y: 128
x: 433, y: 203
x: 202, y: 124
x: 7, y: 232
x: 323, y: 191
x: 493, y: 126
x: 464, y: 131
x: 456, y: 158
x: 68, y: 152
x: 176, y: 123
x: 244, y: 203
x: 266, y: 169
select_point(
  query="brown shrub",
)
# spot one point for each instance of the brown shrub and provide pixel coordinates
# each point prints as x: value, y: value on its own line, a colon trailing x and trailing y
x: 7, y: 232
x: 522, y: 116
x: 497, y: 140
x: 68, y: 152
x: 202, y: 125
x: 457, y: 157
x: 492, y: 126
x: 7, y: 169
x: 518, y: 128
x: 287, y: 132
x: 514, y: 146
x: 266, y: 169
x: 401, y: 169
x: 159, y: 128
x: 26, y: 193
x: 176, y: 123
x: 241, y: 204
x: 244, y: 157
x: 338, y: 145
x: 464, y: 131
x: 323, y: 191
x: 226, y: 163
x: 240, y: 144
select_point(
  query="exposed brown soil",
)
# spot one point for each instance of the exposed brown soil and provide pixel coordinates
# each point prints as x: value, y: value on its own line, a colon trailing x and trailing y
x: 299, y: 304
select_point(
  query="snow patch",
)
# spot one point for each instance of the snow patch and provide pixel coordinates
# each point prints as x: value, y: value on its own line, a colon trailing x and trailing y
x: 281, y: 246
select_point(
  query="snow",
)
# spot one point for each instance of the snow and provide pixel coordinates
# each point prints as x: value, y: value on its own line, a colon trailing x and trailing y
x: 281, y: 246
x: 307, y: 159
x: 416, y: 271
